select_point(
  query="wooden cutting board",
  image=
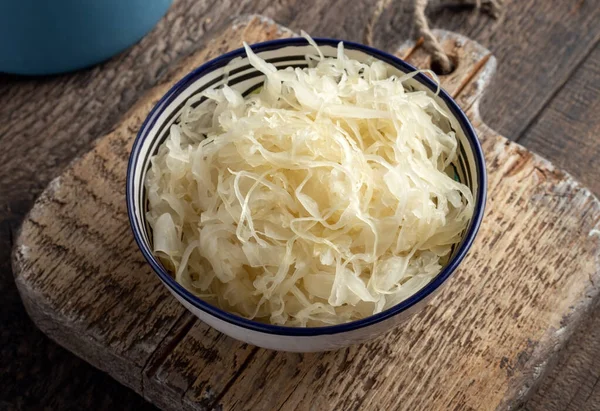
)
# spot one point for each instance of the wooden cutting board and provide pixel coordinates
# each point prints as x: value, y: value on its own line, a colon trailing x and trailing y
x: 483, y: 343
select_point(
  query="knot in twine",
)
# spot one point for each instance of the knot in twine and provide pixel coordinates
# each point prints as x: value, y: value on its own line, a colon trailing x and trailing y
x: 431, y: 44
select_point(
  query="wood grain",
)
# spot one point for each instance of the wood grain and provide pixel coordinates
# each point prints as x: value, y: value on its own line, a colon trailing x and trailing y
x: 48, y: 121
x: 531, y: 39
x: 63, y: 115
x: 573, y: 116
x: 135, y: 316
x: 540, y: 43
x: 575, y: 384
x: 529, y: 279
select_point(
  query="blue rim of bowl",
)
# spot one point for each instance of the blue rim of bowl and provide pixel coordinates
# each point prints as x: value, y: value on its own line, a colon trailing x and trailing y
x: 309, y: 331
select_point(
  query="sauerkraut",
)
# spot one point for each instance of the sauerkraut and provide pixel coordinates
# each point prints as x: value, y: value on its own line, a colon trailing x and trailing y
x: 321, y: 199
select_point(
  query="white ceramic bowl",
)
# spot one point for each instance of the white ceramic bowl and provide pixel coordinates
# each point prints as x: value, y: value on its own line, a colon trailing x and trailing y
x: 470, y: 169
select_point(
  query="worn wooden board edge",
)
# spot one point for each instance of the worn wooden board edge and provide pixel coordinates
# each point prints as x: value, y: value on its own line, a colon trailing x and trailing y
x: 540, y: 361
x: 543, y: 356
x: 40, y: 308
x: 33, y: 306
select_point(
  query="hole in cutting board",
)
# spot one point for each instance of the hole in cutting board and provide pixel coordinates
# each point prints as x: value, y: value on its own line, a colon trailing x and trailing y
x: 437, y: 68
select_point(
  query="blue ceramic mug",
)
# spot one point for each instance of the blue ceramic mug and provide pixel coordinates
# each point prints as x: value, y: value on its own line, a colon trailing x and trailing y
x: 54, y: 36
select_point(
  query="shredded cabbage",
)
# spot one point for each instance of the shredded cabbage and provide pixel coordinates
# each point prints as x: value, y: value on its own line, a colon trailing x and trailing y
x: 322, y: 199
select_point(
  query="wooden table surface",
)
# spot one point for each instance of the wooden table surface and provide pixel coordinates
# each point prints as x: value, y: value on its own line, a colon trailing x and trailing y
x: 547, y: 84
